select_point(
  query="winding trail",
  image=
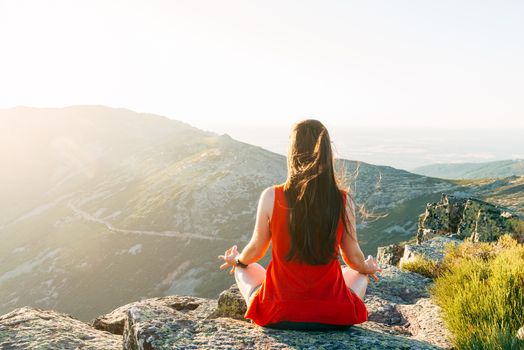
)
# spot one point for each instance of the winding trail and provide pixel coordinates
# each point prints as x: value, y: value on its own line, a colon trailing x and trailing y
x: 89, y: 217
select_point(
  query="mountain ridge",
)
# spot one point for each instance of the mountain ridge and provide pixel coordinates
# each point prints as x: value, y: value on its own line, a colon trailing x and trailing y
x: 481, y: 170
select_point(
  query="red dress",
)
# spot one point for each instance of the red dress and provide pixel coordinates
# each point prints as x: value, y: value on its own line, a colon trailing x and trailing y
x: 299, y: 292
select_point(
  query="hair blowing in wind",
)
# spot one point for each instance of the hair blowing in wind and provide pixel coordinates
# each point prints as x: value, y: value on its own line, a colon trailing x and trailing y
x: 314, y: 195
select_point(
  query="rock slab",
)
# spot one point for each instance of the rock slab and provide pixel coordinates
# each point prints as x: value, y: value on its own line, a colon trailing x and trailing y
x: 432, y: 249
x: 31, y: 328
x: 401, y: 316
x: 398, y: 306
x: 390, y: 254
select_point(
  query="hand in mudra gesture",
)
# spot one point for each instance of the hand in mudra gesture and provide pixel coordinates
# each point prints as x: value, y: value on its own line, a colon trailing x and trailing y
x: 372, y: 268
x: 229, y: 258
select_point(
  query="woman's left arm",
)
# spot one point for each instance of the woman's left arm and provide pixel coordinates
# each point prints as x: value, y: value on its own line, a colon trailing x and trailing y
x: 259, y: 243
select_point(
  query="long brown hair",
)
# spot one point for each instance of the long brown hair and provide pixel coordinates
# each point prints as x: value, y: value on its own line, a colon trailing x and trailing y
x: 314, y: 195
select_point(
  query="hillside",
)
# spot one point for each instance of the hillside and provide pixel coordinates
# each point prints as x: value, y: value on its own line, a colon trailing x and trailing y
x: 109, y: 206
x: 507, y: 192
x: 502, y: 168
x: 115, y: 206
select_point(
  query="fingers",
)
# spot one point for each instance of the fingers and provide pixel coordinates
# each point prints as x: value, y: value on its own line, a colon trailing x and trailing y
x: 374, y: 277
x: 230, y: 251
x: 227, y: 254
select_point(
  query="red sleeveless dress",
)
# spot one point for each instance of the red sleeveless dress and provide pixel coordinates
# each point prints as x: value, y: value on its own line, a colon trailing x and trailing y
x: 299, y: 292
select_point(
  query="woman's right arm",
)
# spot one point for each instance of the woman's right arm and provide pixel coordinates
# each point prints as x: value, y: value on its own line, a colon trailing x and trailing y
x: 349, y: 247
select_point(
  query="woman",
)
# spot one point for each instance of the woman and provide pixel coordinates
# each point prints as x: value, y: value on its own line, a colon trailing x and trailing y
x: 308, y: 219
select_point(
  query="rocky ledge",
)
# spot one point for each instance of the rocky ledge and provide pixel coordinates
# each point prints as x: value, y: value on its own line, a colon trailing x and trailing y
x: 29, y: 328
x: 401, y: 316
x: 431, y: 249
x: 465, y: 218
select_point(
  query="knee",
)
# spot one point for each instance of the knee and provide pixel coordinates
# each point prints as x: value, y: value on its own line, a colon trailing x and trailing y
x: 364, y: 282
x: 249, y: 270
x: 255, y: 266
x: 365, y: 278
x: 237, y: 274
x: 243, y: 270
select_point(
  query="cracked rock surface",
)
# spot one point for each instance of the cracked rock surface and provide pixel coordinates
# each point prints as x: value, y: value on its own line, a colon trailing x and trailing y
x: 31, y: 328
x: 401, y: 316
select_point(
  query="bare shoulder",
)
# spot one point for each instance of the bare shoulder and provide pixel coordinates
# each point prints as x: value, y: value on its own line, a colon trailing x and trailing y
x: 269, y: 191
x: 268, y: 195
x: 267, y: 199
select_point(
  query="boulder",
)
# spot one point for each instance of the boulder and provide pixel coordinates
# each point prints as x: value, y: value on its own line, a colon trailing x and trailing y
x: 483, y: 222
x: 231, y: 303
x: 464, y: 217
x: 390, y: 254
x: 401, y: 299
x: 432, y: 249
x: 399, y: 286
x: 114, y: 321
x: 31, y: 328
x: 424, y: 322
x: 398, y: 305
x: 399, y: 308
x: 159, y: 327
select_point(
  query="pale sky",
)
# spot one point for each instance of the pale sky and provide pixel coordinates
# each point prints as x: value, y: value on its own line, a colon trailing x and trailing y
x: 446, y: 64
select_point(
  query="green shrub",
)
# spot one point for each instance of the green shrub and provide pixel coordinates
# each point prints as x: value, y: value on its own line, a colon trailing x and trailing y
x: 517, y: 228
x: 481, y: 292
x: 421, y: 265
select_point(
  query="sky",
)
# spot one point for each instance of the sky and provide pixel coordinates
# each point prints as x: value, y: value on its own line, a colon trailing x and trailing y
x: 219, y: 65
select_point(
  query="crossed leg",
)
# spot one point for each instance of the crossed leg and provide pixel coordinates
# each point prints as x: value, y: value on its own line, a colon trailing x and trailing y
x: 355, y: 280
x: 248, y: 278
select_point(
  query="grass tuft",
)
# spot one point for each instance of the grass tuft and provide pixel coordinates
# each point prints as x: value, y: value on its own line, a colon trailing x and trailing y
x: 422, y: 266
x: 480, y: 288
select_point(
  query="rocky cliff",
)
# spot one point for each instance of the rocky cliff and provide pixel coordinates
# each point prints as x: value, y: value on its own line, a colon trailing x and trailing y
x: 450, y: 220
x: 401, y: 316
x: 465, y: 218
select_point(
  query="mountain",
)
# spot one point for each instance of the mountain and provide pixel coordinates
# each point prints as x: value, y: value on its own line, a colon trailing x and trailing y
x: 507, y: 192
x: 501, y: 168
x: 112, y: 206
x: 109, y: 206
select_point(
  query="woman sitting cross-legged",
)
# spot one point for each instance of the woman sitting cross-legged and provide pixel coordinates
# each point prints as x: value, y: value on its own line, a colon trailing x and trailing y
x: 308, y: 219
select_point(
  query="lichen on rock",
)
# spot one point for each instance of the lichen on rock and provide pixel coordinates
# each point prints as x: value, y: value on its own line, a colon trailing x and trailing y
x: 390, y: 254
x: 465, y: 218
x: 398, y: 305
x: 432, y: 249
x: 32, y: 328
